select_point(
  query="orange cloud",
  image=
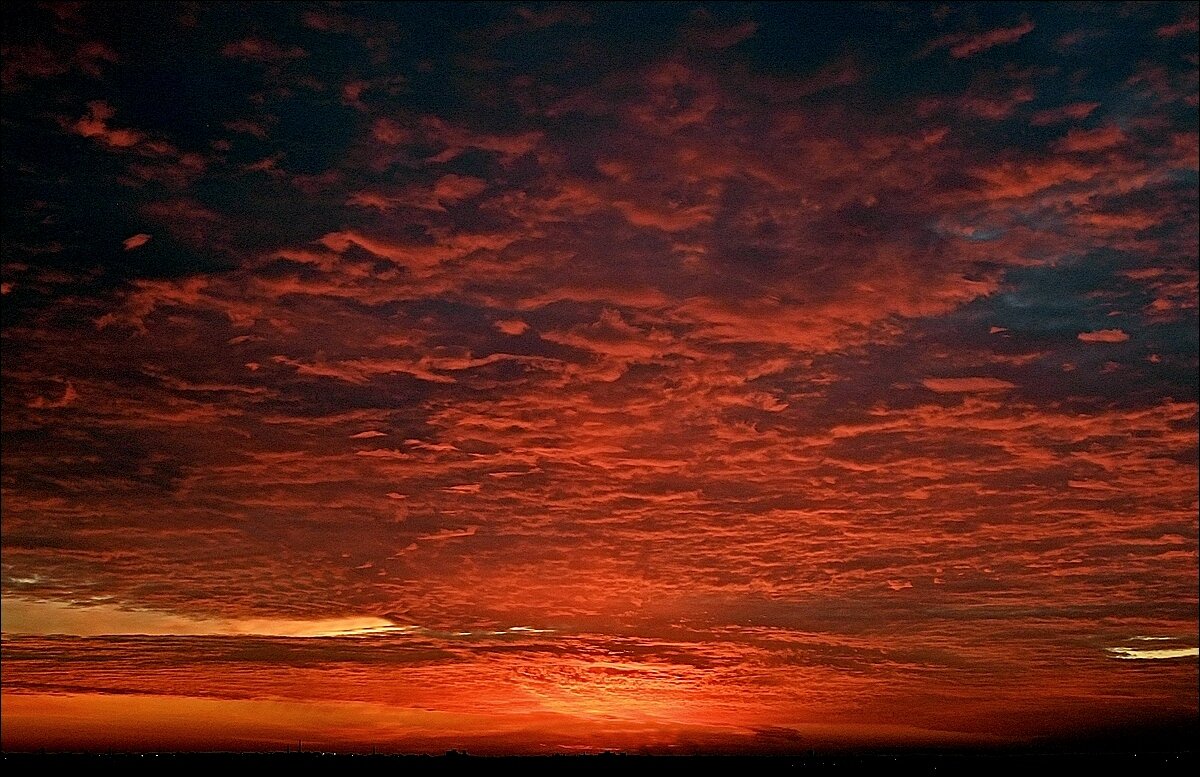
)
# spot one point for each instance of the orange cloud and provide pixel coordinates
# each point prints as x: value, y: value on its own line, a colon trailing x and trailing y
x: 1104, y: 336
x: 512, y: 326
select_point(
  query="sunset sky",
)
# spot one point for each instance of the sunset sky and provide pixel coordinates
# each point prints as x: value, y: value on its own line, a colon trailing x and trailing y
x: 554, y: 378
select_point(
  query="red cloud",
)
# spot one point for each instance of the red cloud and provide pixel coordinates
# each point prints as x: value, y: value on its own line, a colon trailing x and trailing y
x: 69, y: 396
x: 95, y: 125
x: 136, y: 241
x: 963, y: 45
x: 998, y: 37
x: 1099, y: 139
x: 709, y: 35
x: 260, y: 50
x: 1072, y: 111
x: 390, y: 132
x: 450, y: 189
x: 965, y: 385
x: 1181, y: 27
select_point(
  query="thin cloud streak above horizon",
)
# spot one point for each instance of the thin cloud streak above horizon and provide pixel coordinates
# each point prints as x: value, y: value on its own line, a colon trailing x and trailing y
x: 53, y: 618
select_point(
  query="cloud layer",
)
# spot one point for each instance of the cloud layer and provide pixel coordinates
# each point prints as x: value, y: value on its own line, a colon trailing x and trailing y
x: 764, y: 381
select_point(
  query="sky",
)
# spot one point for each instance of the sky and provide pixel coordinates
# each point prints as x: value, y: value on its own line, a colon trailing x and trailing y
x: 744, y: 377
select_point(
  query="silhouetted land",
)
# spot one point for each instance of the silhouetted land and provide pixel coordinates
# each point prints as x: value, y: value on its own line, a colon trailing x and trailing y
x: 915, y: 763
x: 1162, y: 749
